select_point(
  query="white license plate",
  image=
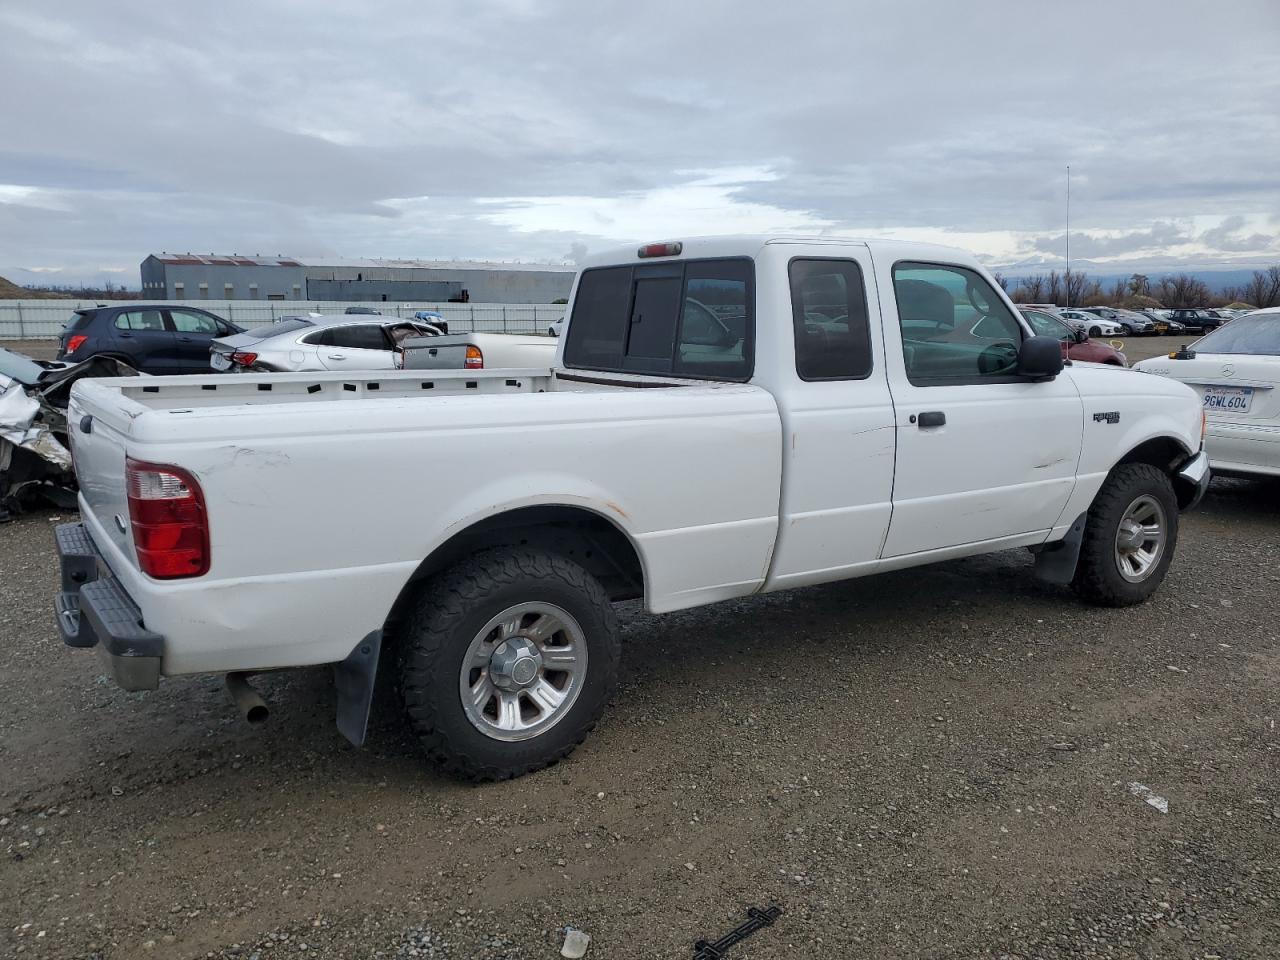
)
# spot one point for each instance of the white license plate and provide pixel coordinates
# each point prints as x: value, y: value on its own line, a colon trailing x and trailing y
x: 219, y: 361
x: 1228, y: 399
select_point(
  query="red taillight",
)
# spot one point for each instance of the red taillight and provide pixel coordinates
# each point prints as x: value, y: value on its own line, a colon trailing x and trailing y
x: 474, y: 359
x: 671, y: 249
x: 244, y: 359
x: 170, y: 527
x: 76, y: 342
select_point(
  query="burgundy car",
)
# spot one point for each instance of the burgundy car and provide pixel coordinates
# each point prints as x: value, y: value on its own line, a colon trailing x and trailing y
x: 1075, y: 346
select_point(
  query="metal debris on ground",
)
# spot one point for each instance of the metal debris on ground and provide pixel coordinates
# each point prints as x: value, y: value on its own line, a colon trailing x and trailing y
x: 576, y: 943
x: 757, y: 919
x: 1144, y: 792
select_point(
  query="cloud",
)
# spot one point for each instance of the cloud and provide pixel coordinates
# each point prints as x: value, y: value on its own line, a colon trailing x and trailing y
x: 523, y: 128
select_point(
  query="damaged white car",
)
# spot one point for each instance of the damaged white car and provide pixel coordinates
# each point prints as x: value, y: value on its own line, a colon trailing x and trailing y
x: 35, y: 462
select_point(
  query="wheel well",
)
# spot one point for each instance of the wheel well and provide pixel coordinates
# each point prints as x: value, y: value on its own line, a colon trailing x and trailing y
x: 1163, y: 452
x: 1166, y: 454
x: 583, y: 536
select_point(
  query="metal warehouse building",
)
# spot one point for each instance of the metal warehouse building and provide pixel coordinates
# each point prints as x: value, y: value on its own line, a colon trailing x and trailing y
x: 173, y: 276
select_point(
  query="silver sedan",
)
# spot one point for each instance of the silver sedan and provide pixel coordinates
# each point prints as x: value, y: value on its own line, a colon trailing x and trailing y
x: 296, y: 344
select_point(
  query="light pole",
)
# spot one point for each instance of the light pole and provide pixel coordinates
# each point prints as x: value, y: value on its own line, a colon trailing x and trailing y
x: 1068, y: 235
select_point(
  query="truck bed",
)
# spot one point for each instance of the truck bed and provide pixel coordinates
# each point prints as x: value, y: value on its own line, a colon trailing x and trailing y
x: 317, y: 484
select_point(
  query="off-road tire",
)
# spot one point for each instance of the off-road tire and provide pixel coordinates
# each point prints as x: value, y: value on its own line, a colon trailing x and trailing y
x: 444, y: 619
x: 1097, y: 577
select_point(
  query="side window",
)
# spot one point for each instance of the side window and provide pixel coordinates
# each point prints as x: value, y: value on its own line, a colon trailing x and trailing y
x: 677, y: 318
x: 185, y: 322
x: 829, y: 317
x: 955, y: 329
x: 359, y: 336
x: 151, y: 320
x: 715, y: 322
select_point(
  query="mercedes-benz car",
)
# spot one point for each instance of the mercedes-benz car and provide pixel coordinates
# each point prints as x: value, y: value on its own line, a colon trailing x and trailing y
x: 1235, y: 370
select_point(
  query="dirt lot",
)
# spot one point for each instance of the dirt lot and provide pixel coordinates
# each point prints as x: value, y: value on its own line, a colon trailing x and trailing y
x: 924, y: 764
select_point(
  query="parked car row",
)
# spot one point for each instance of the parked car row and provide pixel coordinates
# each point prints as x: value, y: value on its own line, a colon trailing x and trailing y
x: 1117, y: 322
x: 163, y: 339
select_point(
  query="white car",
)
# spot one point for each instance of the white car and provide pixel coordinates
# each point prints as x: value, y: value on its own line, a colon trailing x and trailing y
x: 556, y: 328
x: 1092, y: 324
x: 476, y: 351
x: 351, y: 341
x: 724, y: 416
x: 1235, y: 370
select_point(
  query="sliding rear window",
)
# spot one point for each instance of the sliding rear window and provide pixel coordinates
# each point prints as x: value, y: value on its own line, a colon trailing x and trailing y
x: 678, y: 318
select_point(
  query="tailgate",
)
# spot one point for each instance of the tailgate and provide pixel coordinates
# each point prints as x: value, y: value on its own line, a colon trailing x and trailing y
x: 435, y: 353
x: 98, y: 435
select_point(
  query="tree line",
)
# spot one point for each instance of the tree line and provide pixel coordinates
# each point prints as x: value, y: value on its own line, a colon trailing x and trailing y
x: 1139, y: 290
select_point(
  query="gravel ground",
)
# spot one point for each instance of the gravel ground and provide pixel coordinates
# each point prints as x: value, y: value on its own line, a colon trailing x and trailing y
x: 930, y: 763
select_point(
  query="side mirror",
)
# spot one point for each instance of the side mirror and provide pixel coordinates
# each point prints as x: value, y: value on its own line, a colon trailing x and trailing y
x: 1080, y: 336
x: 1040, y: 358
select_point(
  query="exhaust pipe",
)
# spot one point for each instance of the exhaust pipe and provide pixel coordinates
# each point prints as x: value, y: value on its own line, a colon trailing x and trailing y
x: 251, y: 706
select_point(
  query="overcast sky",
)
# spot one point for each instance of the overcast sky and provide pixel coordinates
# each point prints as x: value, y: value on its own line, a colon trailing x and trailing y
x: 539, y: 130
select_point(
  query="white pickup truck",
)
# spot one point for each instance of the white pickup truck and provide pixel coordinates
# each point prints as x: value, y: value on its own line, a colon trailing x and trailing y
x: 724, y: 417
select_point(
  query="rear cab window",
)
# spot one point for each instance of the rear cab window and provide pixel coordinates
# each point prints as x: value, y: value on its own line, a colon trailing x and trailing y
x: 680, y: 318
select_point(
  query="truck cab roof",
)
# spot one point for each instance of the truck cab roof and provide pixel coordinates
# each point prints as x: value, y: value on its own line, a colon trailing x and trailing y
x: 749, y: 245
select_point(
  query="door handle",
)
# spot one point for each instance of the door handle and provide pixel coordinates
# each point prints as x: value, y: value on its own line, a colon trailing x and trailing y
x: 934, y: 418
x: 184, y: 339
x: 337, y: 356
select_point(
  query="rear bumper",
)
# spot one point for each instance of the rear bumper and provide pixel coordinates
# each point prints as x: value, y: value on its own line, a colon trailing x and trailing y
x: 94, y: 610
x: 1193, y: 480
x: 1250, y: 449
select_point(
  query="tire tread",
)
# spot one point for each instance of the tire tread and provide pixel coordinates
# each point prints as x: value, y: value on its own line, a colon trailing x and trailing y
x: 438, y: 609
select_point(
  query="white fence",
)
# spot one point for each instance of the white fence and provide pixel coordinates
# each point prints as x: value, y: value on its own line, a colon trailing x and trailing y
x: 37, y: 319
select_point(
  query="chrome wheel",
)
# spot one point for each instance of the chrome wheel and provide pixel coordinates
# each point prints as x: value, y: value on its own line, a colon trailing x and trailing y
x: 1141, y: 538
x: 523, y: 671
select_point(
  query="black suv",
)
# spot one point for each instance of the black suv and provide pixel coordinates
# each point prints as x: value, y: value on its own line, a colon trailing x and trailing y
x: 156, y: 338
x: 1197, y: 319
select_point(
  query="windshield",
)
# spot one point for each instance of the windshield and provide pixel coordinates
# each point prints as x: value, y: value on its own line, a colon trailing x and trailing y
x: 1246, y: 335
x: 20, y: 368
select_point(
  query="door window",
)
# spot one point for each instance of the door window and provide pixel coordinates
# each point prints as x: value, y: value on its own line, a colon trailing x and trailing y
x: 955, y: 329
x: 185, y: 322
x: 358, y: 336
x: 829, y: 316
x: 151, y: 320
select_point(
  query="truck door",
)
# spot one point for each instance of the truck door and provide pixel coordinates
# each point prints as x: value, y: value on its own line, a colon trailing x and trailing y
x: 837, y: 417
x: 982, y: 454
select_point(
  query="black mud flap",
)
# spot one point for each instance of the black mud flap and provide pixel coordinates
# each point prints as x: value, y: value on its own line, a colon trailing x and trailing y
x: 1056, y: 562
x: 354, y: 678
